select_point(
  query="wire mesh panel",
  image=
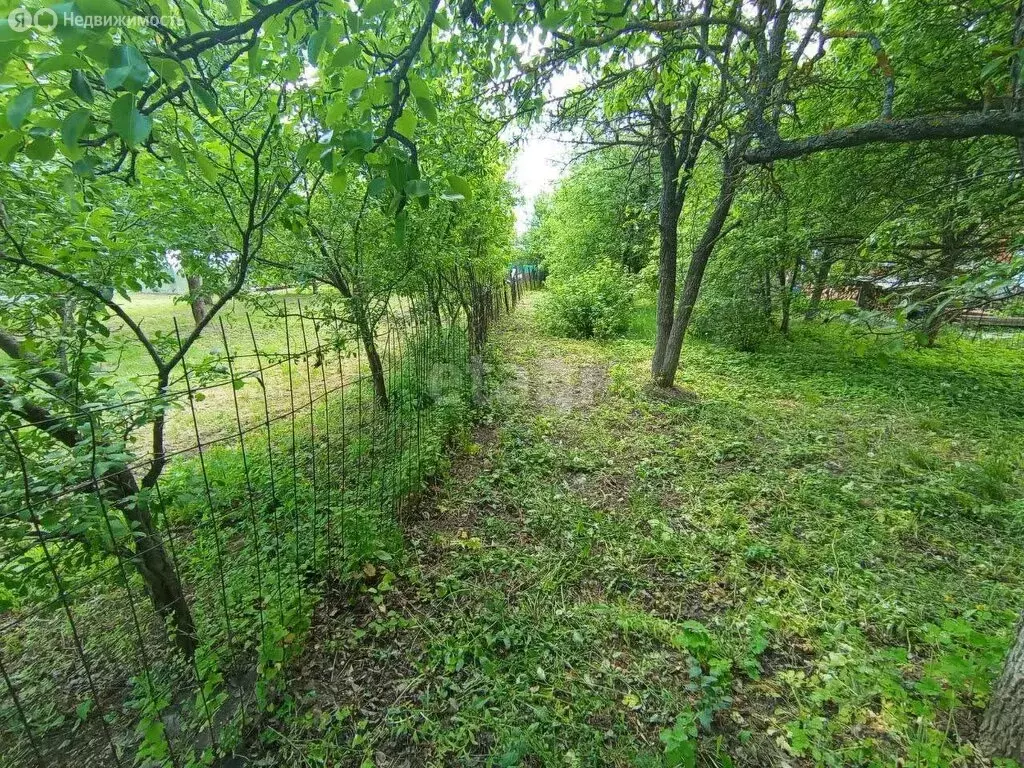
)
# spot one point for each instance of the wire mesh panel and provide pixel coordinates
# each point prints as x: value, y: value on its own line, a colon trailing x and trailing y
x: 162, y: 551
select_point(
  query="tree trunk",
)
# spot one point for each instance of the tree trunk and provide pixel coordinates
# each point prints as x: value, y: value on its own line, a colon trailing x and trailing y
x: 933, y: 328
x: 669, y: 209
x: 1002, y: 728
x: 788, y: 286
x: 195, y: 298
x: 476, y: 321
x: 666, y: 374
x: 120, y: 489
x: 434, y: 302
x: 784, y: 300
x: 766, y: 291
x: 820, y: 277
x: 151, y: 561
x: 366, y: 335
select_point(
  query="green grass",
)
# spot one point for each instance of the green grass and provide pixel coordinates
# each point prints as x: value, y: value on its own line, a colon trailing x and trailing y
x: 256, y: 540
x: 815, y: 561
x: 252, y: 325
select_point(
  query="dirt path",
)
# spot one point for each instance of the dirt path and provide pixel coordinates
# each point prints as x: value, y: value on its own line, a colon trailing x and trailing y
x: 551, y: 382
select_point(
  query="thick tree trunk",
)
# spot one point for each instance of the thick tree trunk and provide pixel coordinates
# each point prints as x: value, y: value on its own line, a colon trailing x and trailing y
x: 1002, y: 729
x: 666, y: 374
x: 667, y: 258
x: 195, y: 298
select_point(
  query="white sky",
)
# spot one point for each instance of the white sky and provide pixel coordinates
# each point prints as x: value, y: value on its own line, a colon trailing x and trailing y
x: 541, y: 156
x: 536, y: 168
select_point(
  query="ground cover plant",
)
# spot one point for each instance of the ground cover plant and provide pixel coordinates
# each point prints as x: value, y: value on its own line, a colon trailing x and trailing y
x: 252, y: 532
x: 790, y: 568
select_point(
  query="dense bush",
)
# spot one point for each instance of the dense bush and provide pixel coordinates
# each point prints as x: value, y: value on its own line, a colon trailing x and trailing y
x: 732, y: 311
x: 593, y: 304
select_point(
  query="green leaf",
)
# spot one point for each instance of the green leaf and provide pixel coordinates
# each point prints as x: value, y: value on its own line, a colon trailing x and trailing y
x: 336, y: 111
x: 504, y: 10
x: 234, y: 8
x: 127, y: 122
x: 307, y: 152
x: 419, y: 88
x: 20, y: 106
x: 461, y: 187
x: 177, y: 156
x: 255, y: 60
x: 553, y: 19
x: 207, y: 97
x: 86, y: 166
x: 327, y: 159
x: 99, y: 7
x: 9, y: 145
x: 400, y: 226
x: 83, y: 709
x: 168, y: 70
x: 428, y: 109
x: 207, y: 167
x: 126, y: 68
x: 356, y: 140
x: 192, y: 16
x: 41, y: 149
x: 406, y: 124
x: 339, y: 183
x: 316, y: 44
x: 374, y: 8
x: 80, y: 86
x: 992, y: 67
x: 354, y: 78
x: 399, y: 172
x: 71, y: 131
x: 57, y: 63
x: 345, y: 56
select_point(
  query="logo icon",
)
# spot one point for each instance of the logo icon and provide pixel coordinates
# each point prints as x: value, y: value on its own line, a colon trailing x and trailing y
x: 45, y: 20
x: 20, y: 20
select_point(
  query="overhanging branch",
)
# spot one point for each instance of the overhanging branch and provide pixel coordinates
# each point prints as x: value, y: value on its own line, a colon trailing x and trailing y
x: 900, y: 131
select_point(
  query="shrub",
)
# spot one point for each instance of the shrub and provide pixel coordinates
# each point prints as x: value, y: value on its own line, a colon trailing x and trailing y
x: 731, y: 311
x: 592, y: 304
x: 647, y: 277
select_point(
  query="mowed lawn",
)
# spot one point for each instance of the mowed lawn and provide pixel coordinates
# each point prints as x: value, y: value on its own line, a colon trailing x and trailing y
x: 270, y: 324
x: 812, y: 559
